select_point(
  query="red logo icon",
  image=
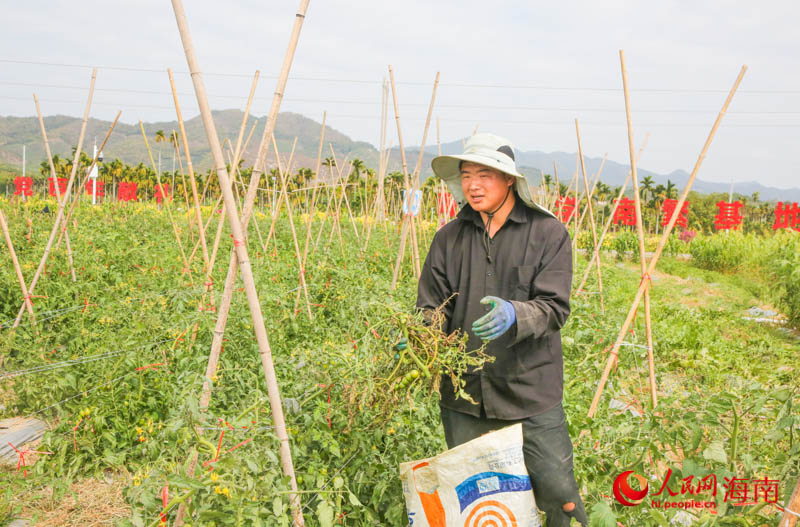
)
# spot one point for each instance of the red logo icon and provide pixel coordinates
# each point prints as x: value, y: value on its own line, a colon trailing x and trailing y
x: 626, y: 495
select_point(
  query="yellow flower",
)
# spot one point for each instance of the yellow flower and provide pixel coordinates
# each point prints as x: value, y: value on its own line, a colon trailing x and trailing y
x: 226, y: 492
x: 218, y: 490
x: 214, y: 477
x: 139, y: 430
x: 136, y: 481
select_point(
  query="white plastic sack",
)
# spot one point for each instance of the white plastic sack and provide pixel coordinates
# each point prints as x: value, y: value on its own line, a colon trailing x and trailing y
x: 481, y: 483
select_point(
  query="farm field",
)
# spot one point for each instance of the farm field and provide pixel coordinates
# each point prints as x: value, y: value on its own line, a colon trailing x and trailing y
x: 114, y: 366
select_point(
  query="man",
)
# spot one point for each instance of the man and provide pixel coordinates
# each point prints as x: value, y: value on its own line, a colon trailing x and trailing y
x: 506, y: 252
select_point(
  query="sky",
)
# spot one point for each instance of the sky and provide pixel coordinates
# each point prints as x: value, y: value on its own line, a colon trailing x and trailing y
x: 518, y: 69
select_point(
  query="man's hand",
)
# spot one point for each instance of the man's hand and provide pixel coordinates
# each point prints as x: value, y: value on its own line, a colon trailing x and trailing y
x: 495, y: 322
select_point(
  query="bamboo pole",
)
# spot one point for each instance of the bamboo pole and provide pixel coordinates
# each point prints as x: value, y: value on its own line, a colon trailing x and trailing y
x: 183, y: 179
x: 168, y: 208
x: 640, y: 234
x: 238, y: 236
x: 239, y: 254
x: 591, y: 214
x: 57, y: 225
x: 417, y: 170
x: 192, y: 181
x: 791, y: 512
x: 56, y: 185
x: 26, y: 297
x: 645, y: 282
x: 406, y: 217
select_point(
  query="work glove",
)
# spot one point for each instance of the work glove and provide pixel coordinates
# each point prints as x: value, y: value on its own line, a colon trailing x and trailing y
x: 495, y: 322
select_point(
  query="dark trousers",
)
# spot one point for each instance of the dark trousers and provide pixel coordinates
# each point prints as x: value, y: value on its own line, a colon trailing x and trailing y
x: 547, y: 449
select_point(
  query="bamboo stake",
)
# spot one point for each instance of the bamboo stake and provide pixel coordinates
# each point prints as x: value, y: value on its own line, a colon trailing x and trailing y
x: 168, y: 208
x: 239, y: 246
x: 418, y: 169
x: 640, y: 232
x: 591, y: 214
x: 406, y: 217
x: 26, y: 298
x: 60, y: 214
x: 185, y: 140
x: 791, y: 511
x: 55, y: 181
x: 645, y: 282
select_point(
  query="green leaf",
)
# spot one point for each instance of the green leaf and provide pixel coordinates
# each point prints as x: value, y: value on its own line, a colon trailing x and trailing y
x: 659, y: 518
x: 277, y: 506
x: 325, y: 514
x: 354, y: 500
x: 716, y: 452
x: 338, y: 482
x: 602, y: 516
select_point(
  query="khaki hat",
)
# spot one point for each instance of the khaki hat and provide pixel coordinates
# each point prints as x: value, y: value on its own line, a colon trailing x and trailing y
x: 492, y: 151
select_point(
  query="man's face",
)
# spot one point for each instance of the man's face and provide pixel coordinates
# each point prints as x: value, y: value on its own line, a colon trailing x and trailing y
x: 485, y: 188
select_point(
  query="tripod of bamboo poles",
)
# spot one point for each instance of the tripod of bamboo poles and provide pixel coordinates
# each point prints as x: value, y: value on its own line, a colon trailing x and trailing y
x: 55, y: 184
x: 240, y: 253
x: 63, y: 215
x: 408, y: 216
x: 609, y: 221
x: 299, y: 256
x: 209, y: 264
x: 644, y: 284
x: 591, y: 214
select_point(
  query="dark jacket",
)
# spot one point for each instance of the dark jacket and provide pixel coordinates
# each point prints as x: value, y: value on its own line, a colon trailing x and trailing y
x: 531, y: 266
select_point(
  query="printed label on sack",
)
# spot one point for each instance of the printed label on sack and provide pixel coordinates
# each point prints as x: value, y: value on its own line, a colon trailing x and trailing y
x: 488, y: 483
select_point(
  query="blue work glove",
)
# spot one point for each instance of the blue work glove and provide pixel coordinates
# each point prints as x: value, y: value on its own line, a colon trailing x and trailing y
x: 495, y: 322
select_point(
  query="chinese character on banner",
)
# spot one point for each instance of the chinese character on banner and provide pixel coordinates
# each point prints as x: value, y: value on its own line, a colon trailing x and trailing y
x: 729, y: 215
x: 162, y: 191
x: 100, y: 187
x: 669, y: 207
x: 23, y: 185
x: 564, y: 208
x: 126, y: 191
x: 62, y: 186
x: 626, y: 212
x: 787, y: 216
x: 446, y: 204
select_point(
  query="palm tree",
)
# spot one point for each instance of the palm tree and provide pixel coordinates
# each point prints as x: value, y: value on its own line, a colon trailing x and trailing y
x: 646, y: 187
x: 670, y: 188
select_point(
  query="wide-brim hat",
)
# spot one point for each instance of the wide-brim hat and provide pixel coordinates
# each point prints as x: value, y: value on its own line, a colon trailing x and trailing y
x: 489, y: 150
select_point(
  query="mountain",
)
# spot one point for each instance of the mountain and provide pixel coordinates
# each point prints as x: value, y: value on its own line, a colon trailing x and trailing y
x: 126, y: 144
